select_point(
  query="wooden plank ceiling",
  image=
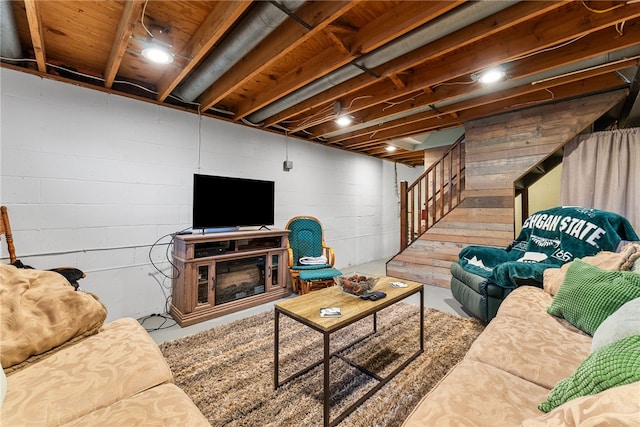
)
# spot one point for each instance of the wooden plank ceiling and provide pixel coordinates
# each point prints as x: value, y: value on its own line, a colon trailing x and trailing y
x: 401, y: 70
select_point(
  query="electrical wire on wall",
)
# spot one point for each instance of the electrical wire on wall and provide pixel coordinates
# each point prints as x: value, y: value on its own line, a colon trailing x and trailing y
x: 167, y: 255
x: 162, y: 283
x: 287, y: 165
x: 199, y: 136
x: 286, y: 145
x: 395, y: 183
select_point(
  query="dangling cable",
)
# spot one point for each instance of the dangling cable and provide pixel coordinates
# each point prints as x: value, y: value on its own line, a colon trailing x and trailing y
x: 199, y: 136
x: 144, y: 9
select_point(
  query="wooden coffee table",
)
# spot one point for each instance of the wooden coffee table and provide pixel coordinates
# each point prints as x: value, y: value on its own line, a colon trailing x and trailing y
x: 306, y: 310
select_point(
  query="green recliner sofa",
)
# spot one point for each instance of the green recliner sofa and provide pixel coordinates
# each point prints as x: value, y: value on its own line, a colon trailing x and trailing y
x: 483, y: 276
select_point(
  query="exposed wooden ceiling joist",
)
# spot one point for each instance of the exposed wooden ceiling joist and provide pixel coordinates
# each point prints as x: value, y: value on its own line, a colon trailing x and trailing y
x: 35, y: 29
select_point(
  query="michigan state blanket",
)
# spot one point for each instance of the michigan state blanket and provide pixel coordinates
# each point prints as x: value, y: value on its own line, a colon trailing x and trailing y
x: 549, y: 238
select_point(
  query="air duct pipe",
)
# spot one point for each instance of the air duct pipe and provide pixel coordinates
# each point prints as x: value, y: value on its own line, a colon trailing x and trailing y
x: 254, y: 28
x: 9, y: 40
x: 441, y: 27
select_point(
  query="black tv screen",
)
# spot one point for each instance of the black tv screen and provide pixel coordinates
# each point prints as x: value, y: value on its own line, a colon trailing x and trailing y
x: 221, y: 202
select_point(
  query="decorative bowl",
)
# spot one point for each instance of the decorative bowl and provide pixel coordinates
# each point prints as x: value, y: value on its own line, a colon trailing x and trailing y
x: 356, y: 283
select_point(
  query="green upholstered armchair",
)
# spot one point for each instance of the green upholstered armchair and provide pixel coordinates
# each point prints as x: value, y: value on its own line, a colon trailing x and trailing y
x: 310, y: 259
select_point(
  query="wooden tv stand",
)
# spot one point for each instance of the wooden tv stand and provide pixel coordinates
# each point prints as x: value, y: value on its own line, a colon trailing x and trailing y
x: 221, y: 273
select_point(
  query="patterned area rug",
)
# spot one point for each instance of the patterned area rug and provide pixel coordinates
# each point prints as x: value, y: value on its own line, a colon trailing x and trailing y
x: 228, y: 370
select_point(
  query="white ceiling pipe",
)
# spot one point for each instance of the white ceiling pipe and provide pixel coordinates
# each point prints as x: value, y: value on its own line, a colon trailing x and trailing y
x: 260, y: 22
x: 9, y: 40
x: 440, y: 27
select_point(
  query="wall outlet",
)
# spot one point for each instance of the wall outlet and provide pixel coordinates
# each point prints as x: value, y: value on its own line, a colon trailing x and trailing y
x: 287, y: 165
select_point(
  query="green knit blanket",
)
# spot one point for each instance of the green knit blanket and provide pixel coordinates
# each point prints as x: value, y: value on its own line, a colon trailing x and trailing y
x: 549, y: 238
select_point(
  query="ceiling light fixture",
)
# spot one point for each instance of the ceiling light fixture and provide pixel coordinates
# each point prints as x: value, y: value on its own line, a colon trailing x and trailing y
x: 157, y: 48
x: 390, y: 148
x: 492, y: 75
x: 158, y: 52
x: 344, y: 120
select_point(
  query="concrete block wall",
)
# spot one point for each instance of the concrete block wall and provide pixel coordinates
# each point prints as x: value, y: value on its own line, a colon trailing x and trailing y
x: 100, y: 181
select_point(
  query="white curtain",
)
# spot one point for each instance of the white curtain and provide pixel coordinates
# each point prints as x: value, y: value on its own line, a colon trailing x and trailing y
x: 601, y: 170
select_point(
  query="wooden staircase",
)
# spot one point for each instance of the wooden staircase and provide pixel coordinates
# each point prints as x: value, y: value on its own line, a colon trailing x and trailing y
x: 432, y: 195
x: 498, y: 155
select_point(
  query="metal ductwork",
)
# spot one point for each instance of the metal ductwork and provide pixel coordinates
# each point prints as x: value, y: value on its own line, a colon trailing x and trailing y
x: 441, y: 27
x: 9, y: 40
x: 260, y: 22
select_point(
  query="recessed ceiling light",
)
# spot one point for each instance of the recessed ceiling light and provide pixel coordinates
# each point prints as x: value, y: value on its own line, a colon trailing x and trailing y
x: 491, y: 75
x: 157, y: 55
x: 158, y: 52
x: 344, y: 121
x: 390, y: 148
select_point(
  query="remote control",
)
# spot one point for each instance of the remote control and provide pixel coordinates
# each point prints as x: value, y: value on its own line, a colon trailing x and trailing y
x: 398, y: 285
x: 373, y: 296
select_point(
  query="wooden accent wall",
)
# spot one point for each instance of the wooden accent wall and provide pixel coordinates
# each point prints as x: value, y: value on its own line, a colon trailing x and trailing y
x: 499, y: 150
x: 432, y: 155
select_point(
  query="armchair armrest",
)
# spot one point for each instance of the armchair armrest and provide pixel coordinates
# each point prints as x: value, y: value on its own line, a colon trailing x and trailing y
x: 291, y: 261
x: 331, y: 256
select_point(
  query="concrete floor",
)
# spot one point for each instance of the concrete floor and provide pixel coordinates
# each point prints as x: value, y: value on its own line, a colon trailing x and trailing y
x: 166, y: 329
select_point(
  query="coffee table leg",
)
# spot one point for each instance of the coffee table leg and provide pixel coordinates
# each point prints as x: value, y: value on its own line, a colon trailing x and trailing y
x: 327, y: 359
x: 422, y: 319
x: 276, y: 342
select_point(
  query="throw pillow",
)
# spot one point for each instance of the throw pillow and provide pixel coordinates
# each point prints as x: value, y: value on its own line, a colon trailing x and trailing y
x: 612, y: 365
x: 623, y: 323
x: 588, y: 294
x: 41, y: 311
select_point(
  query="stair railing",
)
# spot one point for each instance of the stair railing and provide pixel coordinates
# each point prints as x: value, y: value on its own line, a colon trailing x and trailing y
x: 434, y: 194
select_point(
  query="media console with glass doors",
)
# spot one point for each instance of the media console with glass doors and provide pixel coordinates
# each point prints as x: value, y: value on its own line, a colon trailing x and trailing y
x: 221, y: 273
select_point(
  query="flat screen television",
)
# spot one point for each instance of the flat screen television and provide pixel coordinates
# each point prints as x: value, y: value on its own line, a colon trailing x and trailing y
x: 225, y: 202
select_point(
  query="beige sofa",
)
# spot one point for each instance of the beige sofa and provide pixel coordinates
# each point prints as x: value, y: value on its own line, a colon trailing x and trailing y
x: 521, y: 355
x: 110, y: 375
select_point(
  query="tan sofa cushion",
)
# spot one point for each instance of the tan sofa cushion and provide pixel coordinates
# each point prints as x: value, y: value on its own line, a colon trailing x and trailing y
x: 534, y: 352
x: 117, y: 363
x: 477, y: 394
x: 40, y: 310
x: 530, y: 303
x: 164, y: 405
x: 519, y: 341
x: 617, y: 406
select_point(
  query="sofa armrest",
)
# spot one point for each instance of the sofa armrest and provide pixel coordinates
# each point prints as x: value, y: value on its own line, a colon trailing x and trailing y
x: 477, y: 294
x: 472, y: 280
